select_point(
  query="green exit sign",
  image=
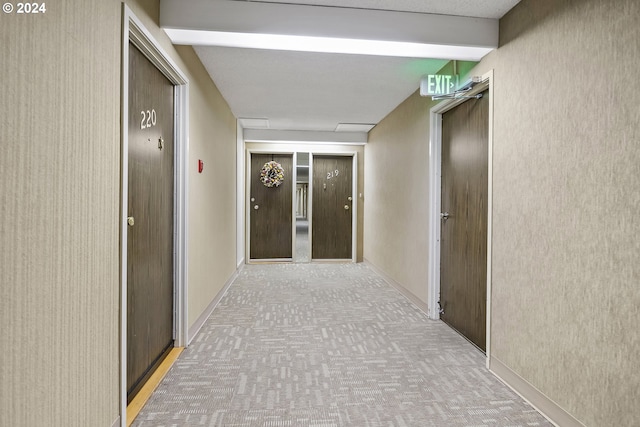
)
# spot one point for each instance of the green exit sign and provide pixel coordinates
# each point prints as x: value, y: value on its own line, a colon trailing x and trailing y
x: 438, y: 84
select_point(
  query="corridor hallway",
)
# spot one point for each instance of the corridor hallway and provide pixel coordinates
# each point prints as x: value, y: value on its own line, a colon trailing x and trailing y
x: 328, y: 345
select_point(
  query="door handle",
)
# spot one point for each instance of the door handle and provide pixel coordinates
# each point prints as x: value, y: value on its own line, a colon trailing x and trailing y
x: 346, y: 207
x: 130, y: 221
x: 444, y: 216
x: 256, y: 207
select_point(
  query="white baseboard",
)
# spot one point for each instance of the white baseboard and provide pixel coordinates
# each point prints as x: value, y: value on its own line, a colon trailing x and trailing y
x: 116, y: 423
x: 197, y: 325
x: 547, y: 407
x: 404, y: 291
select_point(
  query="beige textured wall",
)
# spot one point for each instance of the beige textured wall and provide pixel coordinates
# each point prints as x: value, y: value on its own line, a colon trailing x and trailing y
x: 328, y: 148
x: 566, y: 252
x: 212, y: 194
x: 59, y: 209
x: 397, y: 197
x: 396, y: 229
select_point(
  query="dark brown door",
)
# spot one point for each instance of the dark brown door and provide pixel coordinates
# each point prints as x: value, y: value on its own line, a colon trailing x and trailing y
x: 463, y: 266
x: 150, y: 229
x: 331, y: 215
x: 271, y: 217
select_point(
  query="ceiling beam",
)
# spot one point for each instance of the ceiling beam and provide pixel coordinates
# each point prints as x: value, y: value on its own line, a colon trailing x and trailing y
x: 267, y: 25
x: 297, y: 136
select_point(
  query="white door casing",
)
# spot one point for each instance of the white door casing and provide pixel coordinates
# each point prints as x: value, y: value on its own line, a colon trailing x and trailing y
x: 435, y: 163
x: 135, y: 32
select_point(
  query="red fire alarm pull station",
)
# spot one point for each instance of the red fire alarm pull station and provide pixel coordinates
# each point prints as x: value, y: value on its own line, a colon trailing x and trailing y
x: 200, y: 166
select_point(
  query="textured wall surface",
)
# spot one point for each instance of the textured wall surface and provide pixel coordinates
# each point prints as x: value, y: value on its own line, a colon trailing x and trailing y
x: 566, y: 252
x: 212, y: 194
x: 396, y: 221
x: 59, y: 209
x: 328, y: 148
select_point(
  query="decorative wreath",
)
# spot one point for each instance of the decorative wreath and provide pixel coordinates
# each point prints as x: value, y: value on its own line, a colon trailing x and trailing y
x: 272, y: 174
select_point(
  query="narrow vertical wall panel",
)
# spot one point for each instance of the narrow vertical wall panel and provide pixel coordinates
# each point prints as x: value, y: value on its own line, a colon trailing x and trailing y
x: 59, y: 199
x: 397, y: 195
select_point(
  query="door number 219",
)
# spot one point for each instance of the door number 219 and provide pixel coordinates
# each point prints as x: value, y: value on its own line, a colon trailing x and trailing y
x: 333, y: 174
x: 148, y: 119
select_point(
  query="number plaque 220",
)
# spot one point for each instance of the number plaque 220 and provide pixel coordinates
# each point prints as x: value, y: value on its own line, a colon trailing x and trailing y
x: 148, y: 119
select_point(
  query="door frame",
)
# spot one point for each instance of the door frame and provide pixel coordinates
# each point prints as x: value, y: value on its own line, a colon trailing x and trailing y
x: 247, y: 204
x: 134, y: 31
x: 354, y: 205
x: 435, y: 199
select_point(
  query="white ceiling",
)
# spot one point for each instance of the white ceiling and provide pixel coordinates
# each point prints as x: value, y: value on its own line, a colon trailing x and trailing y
x: 312, y: 91
x: 307, y: 91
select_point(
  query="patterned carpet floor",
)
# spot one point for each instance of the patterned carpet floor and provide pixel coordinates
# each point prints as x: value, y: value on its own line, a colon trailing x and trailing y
x: 302, y: 241
x: 324, y: 345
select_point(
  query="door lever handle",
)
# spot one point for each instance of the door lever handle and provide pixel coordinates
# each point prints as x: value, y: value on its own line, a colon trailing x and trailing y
x: 444, y: 216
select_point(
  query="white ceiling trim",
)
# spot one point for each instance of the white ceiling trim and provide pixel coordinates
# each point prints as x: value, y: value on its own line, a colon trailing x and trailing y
x: 254, y: 123
x: 327, y: 29
x: 325, y: 45
x: 296, y: 136
x: 354, y: 127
